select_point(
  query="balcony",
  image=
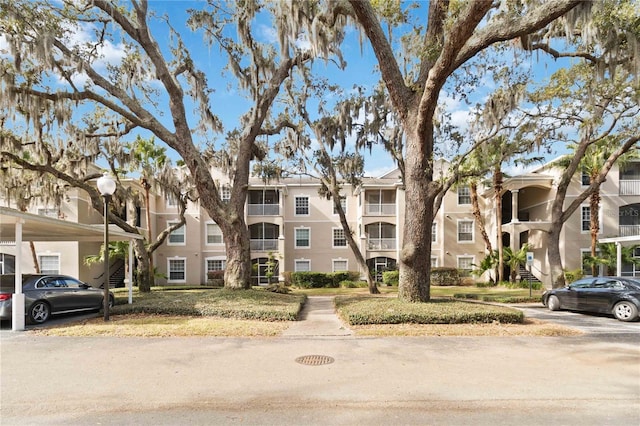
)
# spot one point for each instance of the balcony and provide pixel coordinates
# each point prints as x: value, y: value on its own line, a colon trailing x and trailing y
x: 629, y: 230
x: 380, y: 209
x: 629, y: 186
x: 381, y: 243
x: 264, y: 245
x: 263, y: 209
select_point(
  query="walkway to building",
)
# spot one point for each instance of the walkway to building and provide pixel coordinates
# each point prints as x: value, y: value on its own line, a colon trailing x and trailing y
x: 318, y: 318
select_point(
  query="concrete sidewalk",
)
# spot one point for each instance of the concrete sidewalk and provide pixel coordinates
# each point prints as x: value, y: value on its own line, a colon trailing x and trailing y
x: 318, y: 318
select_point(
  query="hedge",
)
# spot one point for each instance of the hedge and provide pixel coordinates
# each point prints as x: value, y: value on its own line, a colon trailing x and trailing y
x: 442, y: 276
x: 391, y: 278
x: 321, y: 279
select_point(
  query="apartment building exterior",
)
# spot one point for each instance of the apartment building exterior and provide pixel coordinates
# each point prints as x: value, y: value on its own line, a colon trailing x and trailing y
x: 292, y: 225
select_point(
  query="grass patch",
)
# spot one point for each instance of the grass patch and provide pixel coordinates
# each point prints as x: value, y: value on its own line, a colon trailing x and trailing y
x: 237, y: 304
x: 363, y: 310
x: 144, y: 325
x: 530, y: 327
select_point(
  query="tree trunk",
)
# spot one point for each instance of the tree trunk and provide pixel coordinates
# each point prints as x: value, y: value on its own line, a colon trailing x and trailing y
x: 34, y: 255
x: 555, y: 260
x: 415, y: 256
x: 147, y: 187
x: 497, y: 187
x: 144, y: 275
x: 473, y: 190
x: 237, y: 274
x: 594, y: 227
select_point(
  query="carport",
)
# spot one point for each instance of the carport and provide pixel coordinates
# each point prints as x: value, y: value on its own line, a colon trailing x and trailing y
x: 17, y: 227
x: 619, y: 242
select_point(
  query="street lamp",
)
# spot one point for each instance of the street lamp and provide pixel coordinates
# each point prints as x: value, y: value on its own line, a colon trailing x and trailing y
x: 106, y: 186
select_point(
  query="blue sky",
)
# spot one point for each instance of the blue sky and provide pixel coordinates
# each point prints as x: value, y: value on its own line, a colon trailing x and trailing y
x: 229, y: 105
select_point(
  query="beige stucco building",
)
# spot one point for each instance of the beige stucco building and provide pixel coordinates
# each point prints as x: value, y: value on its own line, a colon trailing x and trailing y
x: 291, y: 223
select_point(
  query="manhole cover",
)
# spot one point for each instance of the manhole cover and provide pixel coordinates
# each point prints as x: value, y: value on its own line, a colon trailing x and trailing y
x: 314, y: 360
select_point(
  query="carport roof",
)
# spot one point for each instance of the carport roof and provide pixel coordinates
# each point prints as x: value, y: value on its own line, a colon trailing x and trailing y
x: 42, y: 228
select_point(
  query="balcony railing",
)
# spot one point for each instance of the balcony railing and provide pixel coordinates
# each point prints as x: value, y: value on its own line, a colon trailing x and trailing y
x: 630, y: 187
x: 264, y: 245
x: 263, y: 210
x: 629, y: 230
x: 380, y: 209
x: 382, y: 244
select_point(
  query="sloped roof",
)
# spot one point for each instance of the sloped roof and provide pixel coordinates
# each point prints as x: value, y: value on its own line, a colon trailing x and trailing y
x: 42, y: 228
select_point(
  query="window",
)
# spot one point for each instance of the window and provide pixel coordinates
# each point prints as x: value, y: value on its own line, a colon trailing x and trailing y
x: 302, y: 206
x: 225, y: 193
x: 586, y: 218
x: 339, y: 238
x: 49, y: 263
x: 465, y: 265
x: 303, y: 237
x: 216, y: 264
x: 464, y: 195
x: 343, y: 204
x: 171, y: 199
x: 434, y: 232
x: 302, y: 265
x: 434, y: 262
x: 48, y: 212
x: 214, y: 234
x: 177, y: 268
x: 585, y: 179
x: 465, y: 231
x: 177, y: 237
x: 340, y: 265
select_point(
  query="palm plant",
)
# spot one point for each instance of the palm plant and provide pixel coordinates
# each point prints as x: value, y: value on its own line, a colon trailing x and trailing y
x: 514, y: 259
x: 606, y: 255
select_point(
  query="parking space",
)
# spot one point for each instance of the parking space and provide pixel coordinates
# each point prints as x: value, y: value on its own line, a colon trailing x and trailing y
x: 585, y: 322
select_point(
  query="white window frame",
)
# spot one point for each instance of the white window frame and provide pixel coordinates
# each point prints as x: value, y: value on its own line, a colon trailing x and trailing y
x: 465, y: 256
x: 49, y: 212
x: 222, y: 259
x: 55, y: 258
x: 473, y: 237
x: 434, y: 233
x: 583, y: 221
x: 333, y: 237
x: 343, y: 203
x: 176, y: 232
x: 298, y: 261
x: 333, y: 265
x: 295, y: 205
x: 584, y: 176
x: 434, y: 261
x: 215, y: 226
x: 225, y: 193
x: 464, y: 191
x: 171, y: 200
x: 184, y: 262
x: 295, y: 236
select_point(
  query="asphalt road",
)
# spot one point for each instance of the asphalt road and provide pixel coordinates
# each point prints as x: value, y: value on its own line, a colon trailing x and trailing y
x: 593, y: 379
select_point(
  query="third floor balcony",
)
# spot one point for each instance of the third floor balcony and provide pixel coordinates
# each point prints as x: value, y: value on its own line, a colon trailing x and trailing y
x: 380, y: 202
x: 263, y: 202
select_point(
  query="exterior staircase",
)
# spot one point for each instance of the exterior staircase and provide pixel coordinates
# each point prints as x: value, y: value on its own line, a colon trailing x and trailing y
x: 525, y: 275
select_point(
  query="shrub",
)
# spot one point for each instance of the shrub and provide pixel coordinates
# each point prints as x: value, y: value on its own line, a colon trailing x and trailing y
x: 486, y: 284
x: 215, y: 275
x: 574, y: 275
x: 320, y: 279
x: 445, y: 276
x: 391, y: 278
x: 523, y: 284
x: 362, y: 310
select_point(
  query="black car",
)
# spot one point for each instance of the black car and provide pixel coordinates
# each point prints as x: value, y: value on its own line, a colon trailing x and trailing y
x: 619, y: 296
x: 47, y: 295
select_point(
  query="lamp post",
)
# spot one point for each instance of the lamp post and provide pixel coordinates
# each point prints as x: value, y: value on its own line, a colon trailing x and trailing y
x: 106, y: 186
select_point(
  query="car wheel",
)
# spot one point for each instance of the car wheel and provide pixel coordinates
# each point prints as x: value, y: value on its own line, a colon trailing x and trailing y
x: 553, y: 303
x: 625, y: 311
x: 39, y: 312
x: 111, y: 302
